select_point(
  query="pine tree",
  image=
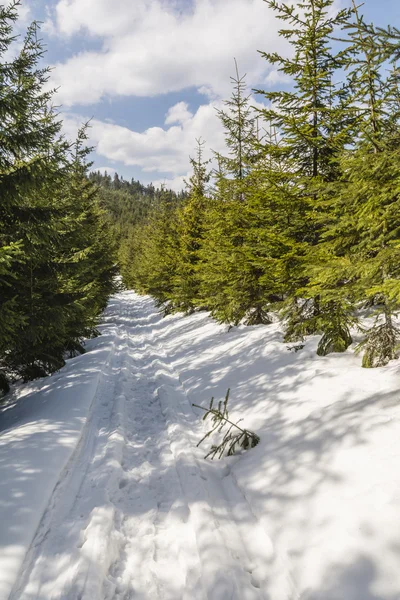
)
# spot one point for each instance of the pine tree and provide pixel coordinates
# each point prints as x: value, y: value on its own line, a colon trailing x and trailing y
x: 359, y: 245
x: 313, y: 124
x: 190, y: 232
x: 31, y: 164
x: 42, y: 313
x: 229, y: 283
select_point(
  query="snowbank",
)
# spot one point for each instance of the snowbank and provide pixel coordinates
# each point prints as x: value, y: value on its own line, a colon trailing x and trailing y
x: 41, y: 425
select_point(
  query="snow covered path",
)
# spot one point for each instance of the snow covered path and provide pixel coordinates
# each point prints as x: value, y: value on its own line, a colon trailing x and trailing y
x: 138, y: 513
x: 104, y: 495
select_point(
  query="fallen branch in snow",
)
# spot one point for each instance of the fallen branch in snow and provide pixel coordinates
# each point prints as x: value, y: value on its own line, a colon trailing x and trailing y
x: 220, y: 417
x: 296, y: 347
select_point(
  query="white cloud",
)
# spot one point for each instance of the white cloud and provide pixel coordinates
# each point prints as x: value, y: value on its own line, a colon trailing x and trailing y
x: 24, y: 14
x: 149, y: 48
x: 274, y: 77
x: 101, y: 17
x: 156, y: 150
x: 179, y: 113
x: 175, y: 183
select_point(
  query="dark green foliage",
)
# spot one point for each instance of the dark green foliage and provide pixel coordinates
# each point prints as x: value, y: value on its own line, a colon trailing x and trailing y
x: 87, y: 266
x: 222, y: 278
x: 57, y: 262
x: 128, y: 203
x: 363, y: 243
x: 310, y: 125
x: 358, y: 255
x: 234, y: 285
x: 185, y: 292
x: 229, y: 276
x: 31, y: 165
x: 155, y: 247
x: 234, y: 437
x: 134, y: 211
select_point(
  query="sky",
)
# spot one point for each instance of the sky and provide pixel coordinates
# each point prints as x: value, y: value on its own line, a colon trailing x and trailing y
x: 150, y: 74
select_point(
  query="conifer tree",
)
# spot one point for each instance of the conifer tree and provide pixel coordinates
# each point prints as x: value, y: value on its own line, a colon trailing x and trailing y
x: 87, y: 261
x: 42, y: 314
x: 307, y: 117
x: 229, y: 283
x: 155, y: 252
x: 359, y: 244
x: 31, y: 164
x: 313, y: 124
x: 130, y: 258
x: 190, y: 231
x: 238, y: 120
x: 220, y: 278
x: 240, y: 277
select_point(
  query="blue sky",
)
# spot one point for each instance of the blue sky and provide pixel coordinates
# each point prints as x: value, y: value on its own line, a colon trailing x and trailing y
x: 150, y: 73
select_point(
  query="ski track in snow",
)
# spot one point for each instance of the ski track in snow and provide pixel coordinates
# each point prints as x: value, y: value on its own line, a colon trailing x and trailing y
x: 137, y: 513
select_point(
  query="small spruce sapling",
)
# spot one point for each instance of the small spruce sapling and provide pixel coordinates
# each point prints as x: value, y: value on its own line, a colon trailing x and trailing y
x: 242, y: 438
x: 381, y: 343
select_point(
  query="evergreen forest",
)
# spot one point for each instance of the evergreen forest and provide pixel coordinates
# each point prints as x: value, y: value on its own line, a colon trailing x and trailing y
x: 300, y: 217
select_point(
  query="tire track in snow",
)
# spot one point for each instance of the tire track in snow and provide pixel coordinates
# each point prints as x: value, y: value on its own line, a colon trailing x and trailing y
x: 159, y: 554
x: 226, y: 556
x: 102, y: 539
x: 227, y: 570
x: 51, y: 568
x: 246, y: 547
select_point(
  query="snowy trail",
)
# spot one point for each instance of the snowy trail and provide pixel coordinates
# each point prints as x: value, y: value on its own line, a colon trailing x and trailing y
x: 138, y: 513
x: 104, y: 494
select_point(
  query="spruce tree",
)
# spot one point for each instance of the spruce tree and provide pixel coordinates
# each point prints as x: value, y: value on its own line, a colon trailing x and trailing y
x: 155, y: 250
x: 31, y: 165
x: 229, y: 283
x: 87, y: 260
x: 42, y: 313
x: 239, y: 122
x: 313, y: 124
x: 190, y: 232
x: 220, y: 277
x: 359, y: 246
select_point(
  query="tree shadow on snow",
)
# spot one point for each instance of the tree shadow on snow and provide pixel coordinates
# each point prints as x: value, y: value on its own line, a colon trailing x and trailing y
x: 284, y: 478
x: 309, y: 419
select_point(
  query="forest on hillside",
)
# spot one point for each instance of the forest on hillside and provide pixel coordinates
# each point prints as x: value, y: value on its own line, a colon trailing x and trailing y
x: 301, y: 216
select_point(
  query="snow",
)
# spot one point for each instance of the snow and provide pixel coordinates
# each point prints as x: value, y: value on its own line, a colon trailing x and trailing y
x: 104, y: 494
